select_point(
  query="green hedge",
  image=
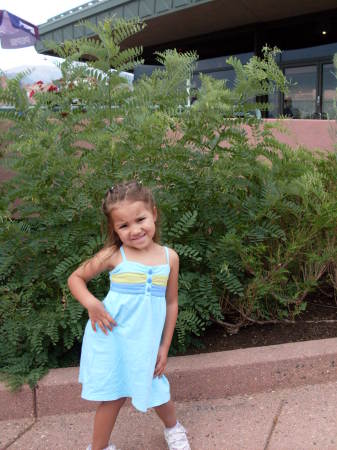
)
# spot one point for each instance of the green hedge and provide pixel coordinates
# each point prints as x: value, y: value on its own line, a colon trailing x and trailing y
x: 254, y: 223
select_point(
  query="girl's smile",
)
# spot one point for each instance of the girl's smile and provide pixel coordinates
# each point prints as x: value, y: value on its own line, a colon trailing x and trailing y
x: 135, y: 223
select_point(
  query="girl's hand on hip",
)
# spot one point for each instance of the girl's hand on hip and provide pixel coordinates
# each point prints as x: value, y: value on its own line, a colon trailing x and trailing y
x: 161, y: 362
x: 99, y: 315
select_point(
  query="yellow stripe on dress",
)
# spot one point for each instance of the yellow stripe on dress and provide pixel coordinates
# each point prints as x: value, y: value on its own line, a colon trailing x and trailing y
x: 159, y: 280
x: 136, y: 278
x: 128, y: 277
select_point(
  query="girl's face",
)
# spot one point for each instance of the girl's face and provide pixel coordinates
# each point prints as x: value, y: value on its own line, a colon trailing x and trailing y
x: 135, y: 223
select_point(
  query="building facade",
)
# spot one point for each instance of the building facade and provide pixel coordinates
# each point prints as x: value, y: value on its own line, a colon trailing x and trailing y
x: 305, y: 31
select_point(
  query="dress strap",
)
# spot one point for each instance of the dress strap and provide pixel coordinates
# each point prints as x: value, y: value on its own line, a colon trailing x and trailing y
x: 122, y: 253
x: 167, y: 255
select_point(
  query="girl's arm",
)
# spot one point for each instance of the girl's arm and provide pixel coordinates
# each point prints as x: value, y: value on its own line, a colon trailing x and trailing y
x: 171, y: 314
x: 77, y: 283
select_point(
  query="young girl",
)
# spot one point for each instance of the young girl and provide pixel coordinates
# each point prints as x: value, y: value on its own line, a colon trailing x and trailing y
x: 128, y: 335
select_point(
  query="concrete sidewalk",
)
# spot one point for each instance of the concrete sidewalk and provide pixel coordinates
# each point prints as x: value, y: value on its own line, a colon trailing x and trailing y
x: 267, y: 398
x: 302, y: 418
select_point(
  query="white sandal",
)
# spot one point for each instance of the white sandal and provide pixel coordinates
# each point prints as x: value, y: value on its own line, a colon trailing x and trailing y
x: 176, y: 438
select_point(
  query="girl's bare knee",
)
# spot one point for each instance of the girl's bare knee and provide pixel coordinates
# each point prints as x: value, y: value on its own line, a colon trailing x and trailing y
x: 119, y: 401
x: 112, y: 403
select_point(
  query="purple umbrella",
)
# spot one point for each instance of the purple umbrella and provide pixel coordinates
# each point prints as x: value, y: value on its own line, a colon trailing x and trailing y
x: 16, y: 32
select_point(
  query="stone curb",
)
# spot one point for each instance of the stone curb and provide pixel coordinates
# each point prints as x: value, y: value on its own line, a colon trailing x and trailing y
x: 194, y: 377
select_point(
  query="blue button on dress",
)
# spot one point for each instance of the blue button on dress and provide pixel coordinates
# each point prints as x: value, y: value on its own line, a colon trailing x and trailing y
x: 122, y: 363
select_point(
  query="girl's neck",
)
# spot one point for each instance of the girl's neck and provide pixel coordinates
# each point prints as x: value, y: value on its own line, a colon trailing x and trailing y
x: 154, y: 254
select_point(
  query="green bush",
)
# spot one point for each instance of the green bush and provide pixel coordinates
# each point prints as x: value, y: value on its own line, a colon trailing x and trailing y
x: 254, y: 222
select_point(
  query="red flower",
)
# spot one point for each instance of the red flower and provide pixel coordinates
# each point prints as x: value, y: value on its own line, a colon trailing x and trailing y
x: 52, y: 88
x: 39, y: 82
x: 32, y: 92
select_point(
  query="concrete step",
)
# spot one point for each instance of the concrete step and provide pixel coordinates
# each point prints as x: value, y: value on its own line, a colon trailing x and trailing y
x: 194, y: 377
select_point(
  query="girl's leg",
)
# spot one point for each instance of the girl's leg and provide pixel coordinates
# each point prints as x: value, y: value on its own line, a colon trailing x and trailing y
x: 167, y: 414
x: 105, y: 418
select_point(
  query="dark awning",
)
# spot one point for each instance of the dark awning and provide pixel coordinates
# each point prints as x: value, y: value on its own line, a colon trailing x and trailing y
x: 172, y: 20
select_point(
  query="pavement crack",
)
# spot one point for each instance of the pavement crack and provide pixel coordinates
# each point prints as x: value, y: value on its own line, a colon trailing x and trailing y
x: 19, y: 435
x: 273, y: 426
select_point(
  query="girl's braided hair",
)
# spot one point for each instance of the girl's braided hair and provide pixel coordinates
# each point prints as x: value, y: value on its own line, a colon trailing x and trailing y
x: 132, y: 191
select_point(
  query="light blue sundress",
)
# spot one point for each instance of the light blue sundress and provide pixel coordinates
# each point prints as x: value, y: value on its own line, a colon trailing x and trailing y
x: 122, y: 363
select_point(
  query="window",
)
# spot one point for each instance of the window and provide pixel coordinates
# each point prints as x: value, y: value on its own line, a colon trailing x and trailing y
x: 329, y: 85
x: 301, y: 100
